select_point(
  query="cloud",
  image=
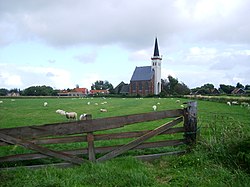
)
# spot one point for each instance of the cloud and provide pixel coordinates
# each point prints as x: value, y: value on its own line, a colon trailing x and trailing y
x: 128, y: 23
x: 209, y: 38
x: 12, y: 76
x: 58, y: 78
x: 10, y: 80
x: 140, y: 55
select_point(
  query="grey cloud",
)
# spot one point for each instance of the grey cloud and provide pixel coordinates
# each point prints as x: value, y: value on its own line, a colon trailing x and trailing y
x: 128, y: 23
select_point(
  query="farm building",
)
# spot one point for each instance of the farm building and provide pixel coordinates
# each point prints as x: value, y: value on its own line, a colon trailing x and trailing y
x: 96, y: 92
x: 79, y: 92
x: 238, y: 91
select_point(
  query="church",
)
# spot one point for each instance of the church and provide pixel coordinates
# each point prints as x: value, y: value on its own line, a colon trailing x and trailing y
x: 146, y: 80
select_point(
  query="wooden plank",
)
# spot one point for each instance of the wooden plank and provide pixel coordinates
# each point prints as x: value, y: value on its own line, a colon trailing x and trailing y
x: 43, y: 150
x: 159, y: 155
x: 84, y: 151
x: 91, y: 147
x: 78, y: 127
x: 59, y: 165
x: 66, y: 165
x: 97, y: 137
x: 139, y: 140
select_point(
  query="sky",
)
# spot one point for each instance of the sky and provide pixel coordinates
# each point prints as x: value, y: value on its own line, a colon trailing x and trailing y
x: 65, y: 43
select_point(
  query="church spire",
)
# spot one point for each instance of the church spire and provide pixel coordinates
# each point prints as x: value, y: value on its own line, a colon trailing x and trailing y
x: 156, y: 68
x: 156, y: 50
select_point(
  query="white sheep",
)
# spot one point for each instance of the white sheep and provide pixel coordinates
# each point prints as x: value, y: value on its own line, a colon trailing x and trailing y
x: 228, y: 103
x: 62, y: 112
x: 154, y: 107
x: 83, y: 117
x: 45, y: 104
x: 1, y: 102
x: 235, y: 103
x: 71, y: 115
x: 177, y: 101
x: 103, y: 110
x: 245, y: 104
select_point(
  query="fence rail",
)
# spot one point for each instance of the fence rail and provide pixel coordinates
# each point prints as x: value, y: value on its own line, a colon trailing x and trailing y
x: 34, y: 137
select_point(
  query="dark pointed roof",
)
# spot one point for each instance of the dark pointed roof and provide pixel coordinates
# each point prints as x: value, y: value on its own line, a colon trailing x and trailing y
x: 156, y: 50
x: 142, y: 73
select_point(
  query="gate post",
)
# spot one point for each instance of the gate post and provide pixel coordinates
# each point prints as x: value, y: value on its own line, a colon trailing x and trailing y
x: 90, y: 140
x: 190, y: 122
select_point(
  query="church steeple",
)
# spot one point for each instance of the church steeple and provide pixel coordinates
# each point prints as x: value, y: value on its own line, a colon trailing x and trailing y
x: 156, y: 67
x: 156, y: 50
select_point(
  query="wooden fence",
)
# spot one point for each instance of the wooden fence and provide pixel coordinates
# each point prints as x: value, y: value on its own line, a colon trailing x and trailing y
x: 91, y: 131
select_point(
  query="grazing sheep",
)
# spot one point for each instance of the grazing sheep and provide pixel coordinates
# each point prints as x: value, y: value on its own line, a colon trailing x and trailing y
x: 228, y: 103
x: 245, y: 104
x: 71, y: 115
x: 154, y: 107
x: 103, y: 110
x: 45, y: 104
x: 88, y: 103
x: 182, y: 106
x: 83, y: 117
x: 177, y: 101
x: 62, y: 112
x: 235, y: 103
x: 1, y: 102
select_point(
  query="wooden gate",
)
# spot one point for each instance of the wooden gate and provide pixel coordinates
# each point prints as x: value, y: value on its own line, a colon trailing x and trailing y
x: 91, y: 132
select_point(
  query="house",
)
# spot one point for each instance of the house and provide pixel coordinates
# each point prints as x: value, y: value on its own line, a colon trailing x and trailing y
x: 97, y: 92
x: 146, y: 80
x: 76, y: 92
x: 238, y: 91
x: 122, y: 88
x: 215, y: 91
x: 13, y: 94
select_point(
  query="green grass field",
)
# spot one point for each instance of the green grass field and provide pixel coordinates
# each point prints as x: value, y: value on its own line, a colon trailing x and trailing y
x: 220, y: 158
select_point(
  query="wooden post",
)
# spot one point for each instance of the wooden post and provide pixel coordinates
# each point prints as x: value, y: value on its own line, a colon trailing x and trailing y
x: 90, y: 139
x: 190, y: 122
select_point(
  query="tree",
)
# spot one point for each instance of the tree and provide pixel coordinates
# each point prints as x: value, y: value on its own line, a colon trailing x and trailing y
x: 227, y: 88
x: 247, y: 87
x: 171, y: 86
x: 182, y: 89
x: 172, y: 83
x: 239, y: 85
x: 3, y: 92
x: 102, y: 85
x: 39, y: 91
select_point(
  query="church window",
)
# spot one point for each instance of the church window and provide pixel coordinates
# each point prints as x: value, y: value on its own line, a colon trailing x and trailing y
x: 133, y: 86
x: 140, y: 86
x: 146, y: 86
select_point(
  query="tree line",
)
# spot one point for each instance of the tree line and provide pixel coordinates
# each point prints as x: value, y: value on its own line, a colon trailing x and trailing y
x: 170, y: 86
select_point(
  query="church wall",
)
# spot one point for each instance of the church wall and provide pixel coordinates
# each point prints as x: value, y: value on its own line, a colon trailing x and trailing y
x: 142, y: 87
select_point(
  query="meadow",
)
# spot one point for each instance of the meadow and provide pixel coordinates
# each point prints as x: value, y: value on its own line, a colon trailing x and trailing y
x: 220, y: 158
